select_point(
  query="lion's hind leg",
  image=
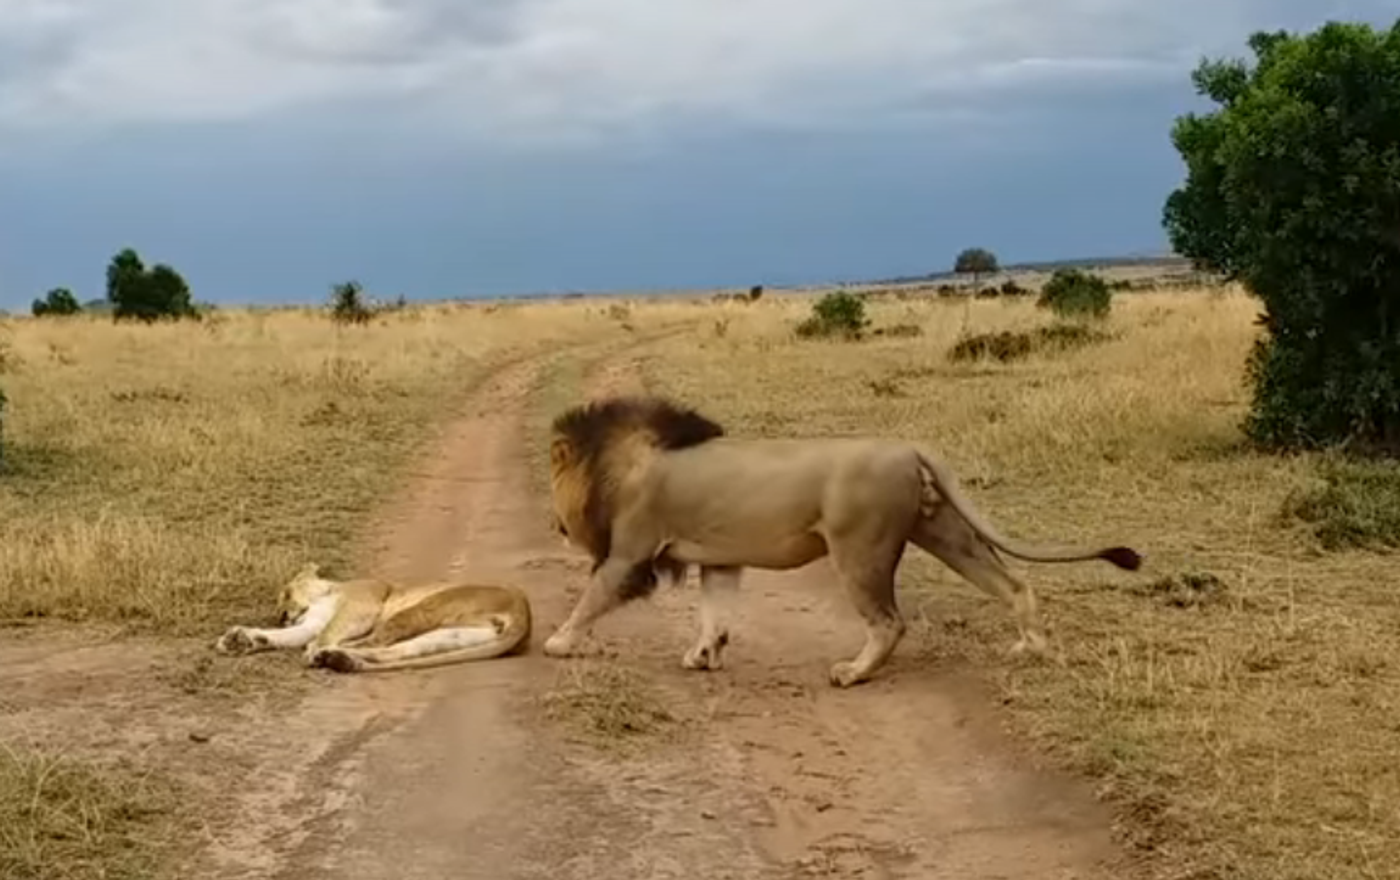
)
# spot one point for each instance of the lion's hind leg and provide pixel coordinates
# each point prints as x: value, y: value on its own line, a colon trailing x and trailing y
x: 947, y: 536
x: 867, y: 570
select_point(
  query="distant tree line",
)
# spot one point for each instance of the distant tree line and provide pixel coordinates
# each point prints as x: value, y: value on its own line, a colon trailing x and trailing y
x: 134, y: 292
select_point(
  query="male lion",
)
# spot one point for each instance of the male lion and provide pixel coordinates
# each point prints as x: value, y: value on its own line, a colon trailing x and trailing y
x: 645, y: 485
x: 370, y: 625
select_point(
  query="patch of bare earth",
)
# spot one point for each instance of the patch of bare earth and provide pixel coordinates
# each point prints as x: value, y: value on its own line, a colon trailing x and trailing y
x: 615, y: 766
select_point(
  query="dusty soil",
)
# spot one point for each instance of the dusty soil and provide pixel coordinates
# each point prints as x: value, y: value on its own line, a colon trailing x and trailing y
x: 461, y: 772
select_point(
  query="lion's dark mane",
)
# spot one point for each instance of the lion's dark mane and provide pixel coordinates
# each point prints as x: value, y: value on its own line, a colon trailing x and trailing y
x: 594, y: 428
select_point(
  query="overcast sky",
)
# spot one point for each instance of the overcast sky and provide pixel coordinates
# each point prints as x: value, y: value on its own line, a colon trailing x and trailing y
x: 443, y: 148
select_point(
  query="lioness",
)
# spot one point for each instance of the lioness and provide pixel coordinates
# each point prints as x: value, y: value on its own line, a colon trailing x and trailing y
x: 646, y: 486
x: 369, y: 625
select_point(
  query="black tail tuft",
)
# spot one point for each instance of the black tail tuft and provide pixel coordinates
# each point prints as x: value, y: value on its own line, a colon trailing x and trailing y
x: 1123, y: 557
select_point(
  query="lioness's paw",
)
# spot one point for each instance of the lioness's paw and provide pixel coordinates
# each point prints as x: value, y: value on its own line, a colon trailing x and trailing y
x: 338, y: 660
x: 239, y: 640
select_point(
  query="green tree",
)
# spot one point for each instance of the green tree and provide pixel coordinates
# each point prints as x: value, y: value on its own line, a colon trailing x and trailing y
x: 137, y: 293
x: 1293, y: 188
x: 59, y: 301
x: 976, y: 262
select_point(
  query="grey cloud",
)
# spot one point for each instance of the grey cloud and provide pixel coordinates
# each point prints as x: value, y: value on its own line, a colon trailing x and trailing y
x: 425, y: 28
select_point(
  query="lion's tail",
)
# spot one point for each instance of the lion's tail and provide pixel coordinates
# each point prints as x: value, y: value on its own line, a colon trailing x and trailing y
x: 516, y: 632
x: 937, y: 477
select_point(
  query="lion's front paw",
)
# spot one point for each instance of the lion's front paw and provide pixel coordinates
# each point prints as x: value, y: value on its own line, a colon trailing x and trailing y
x: 240, y: 640
x: 845, y: 674
x: 561, y: 644
x: 706, y: 654
x: 1030, y: 643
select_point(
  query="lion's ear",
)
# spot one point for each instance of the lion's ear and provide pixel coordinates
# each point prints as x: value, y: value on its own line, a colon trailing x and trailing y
x: 310, y: 569
x: 560, y: 452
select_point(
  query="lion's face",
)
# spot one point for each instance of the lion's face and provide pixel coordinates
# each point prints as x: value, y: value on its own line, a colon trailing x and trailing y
x: 298, y: 594
x: 569, y: 494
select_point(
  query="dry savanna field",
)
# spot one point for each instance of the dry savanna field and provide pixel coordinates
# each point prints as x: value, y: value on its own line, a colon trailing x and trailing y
x: 1237, y: 701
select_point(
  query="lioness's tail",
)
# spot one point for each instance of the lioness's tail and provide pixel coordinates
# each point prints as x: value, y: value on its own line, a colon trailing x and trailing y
x: 940, y: 478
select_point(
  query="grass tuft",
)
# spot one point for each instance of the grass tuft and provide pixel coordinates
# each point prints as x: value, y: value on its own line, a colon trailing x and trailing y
x: 608, y: 705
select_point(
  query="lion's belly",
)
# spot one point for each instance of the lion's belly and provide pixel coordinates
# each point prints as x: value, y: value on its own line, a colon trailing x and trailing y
x: 792, y: 551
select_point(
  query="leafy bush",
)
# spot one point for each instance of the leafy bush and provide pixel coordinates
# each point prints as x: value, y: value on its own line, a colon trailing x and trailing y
x: 1293, y: 188
x: 59, y: 301
x: 1009, y: 346
x: 146, y: 295
x: 836, y: 314
x: 1357, y: 506
x: 1071, y: 293
x: 1011, y: 288
x: 348, y: 304
x: 755, y: 292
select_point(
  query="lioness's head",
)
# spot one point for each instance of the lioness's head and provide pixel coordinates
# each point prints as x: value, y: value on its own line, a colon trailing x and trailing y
x: 595, y: 443
x: 297, y: 595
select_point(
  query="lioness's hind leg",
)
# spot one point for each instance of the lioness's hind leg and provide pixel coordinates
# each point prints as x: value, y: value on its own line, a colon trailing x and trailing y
x: 718, y: 586
x: 952, y: 540
x: 438, y: 641
x: 868, y: 573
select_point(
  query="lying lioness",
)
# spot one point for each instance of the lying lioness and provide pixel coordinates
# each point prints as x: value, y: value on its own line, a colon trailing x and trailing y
x: 368, y: 624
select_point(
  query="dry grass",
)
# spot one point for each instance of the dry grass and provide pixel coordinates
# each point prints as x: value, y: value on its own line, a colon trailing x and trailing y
x: 76, y: 821
x: 169, y: 476
x: 1238, y: 698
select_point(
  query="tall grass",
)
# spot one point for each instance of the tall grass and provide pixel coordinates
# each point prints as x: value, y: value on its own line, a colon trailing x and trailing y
x: 169, y: 475
x: 1237, y: 699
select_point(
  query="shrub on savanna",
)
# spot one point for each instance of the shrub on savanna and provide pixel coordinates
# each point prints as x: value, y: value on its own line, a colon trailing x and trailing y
x: 1010, y: 345
x: 59, y: 301
x: 838, y: 313
x: 1357, y: 505
x: 1293, y: 187
x: 348, y: 305
x: 1010, y: 288
x: 1071, y: 293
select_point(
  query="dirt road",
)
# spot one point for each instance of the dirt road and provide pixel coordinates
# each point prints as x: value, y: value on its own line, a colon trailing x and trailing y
x: 776, y: 774
x: 460, y: 772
